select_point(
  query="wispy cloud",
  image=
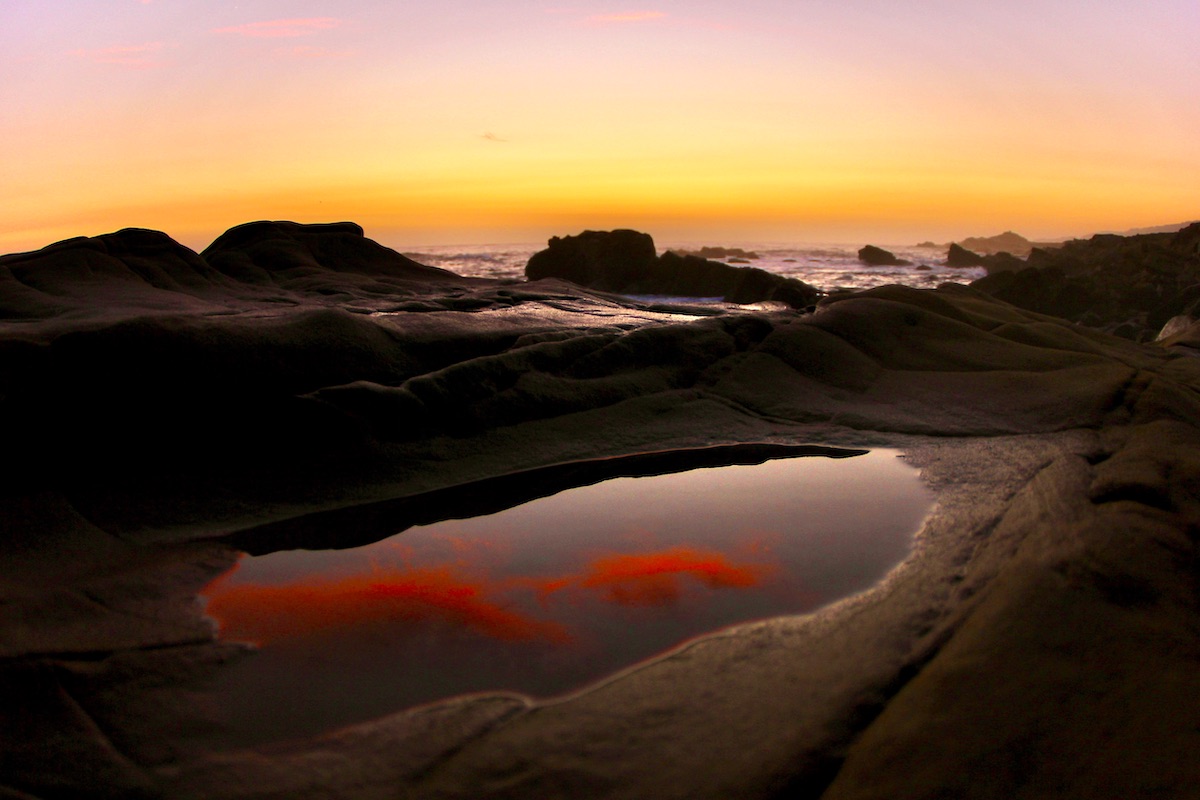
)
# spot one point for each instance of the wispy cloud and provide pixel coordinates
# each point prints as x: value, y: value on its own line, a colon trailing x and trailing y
x: 491, y: 137
x: 281, y: 28
x: 136, y: 56
x: 628, y: 16
x: 307, y: 51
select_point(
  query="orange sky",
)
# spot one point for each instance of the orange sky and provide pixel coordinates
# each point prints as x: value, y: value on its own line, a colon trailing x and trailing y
x: 473, y: 121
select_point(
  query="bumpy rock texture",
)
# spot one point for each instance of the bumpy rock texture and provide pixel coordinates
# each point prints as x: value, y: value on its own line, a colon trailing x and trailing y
x: 160, y: 406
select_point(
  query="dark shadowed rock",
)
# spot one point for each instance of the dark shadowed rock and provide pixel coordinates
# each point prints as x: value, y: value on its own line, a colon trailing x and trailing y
x: 1187, y: 240
x: 1007, y: 242
x: 605, y: 260
x: 1003, y: 262
x: 275, y: 252
x: 730, y: 253
x: 625, y: 262
x: 1128, y: 285
x: 959, y: 256
x: 133, y: 266
x: 874, y: 256
x: 1046, y: 291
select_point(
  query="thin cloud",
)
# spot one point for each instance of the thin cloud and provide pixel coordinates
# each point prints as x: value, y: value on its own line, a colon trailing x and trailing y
x: 628, y: 16
x: 306, y: 51
x: 491, y: 137
x: 281, y: 28
x: 137, y: 56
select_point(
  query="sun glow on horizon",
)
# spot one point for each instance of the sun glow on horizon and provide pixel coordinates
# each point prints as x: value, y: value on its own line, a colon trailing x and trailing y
x: 822, y: 122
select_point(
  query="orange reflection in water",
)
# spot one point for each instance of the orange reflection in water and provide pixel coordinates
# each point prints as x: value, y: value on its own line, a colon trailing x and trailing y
x: 463, y: 596
x: 656, y: 579
x: 266, y: 613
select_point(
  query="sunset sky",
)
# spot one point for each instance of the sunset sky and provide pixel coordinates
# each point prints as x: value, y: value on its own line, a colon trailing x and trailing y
x: 512, y: 120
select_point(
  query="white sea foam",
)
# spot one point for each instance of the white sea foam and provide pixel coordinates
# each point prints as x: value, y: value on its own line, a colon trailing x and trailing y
x: 825, y: 266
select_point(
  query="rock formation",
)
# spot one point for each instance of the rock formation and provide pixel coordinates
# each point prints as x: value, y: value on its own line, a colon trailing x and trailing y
x: 161, y: 409
x: 709, y: 251
x: 1125, y: 285
x: 626, y: 262
x: 874, y: 256
x: 1007, y: 242
x: 958, y: 256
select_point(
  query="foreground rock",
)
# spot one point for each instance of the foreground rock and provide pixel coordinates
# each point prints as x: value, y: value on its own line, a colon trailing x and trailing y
x: 626, y: 262
x: 1041, y: 639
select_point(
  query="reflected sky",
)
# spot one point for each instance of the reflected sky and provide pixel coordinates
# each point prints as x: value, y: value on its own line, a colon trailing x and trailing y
x: 547, y: 596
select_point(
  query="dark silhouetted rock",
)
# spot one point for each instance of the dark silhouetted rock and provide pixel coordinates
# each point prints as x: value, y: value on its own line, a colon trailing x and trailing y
x: 1187, y: 240
x: 265, y: 252
x: 1002, y: 262
x: 605, y: 260
x: 1044, y: 290
x: 132, y: 267
x: 730, y: 253
x: 624, y: 262
x: 959, y: 256
x: 1125, y: 285
x: 1007, y: 242
x: 874, y: 256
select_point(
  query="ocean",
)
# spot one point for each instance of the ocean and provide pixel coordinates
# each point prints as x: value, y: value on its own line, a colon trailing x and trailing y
x: 825, y: 266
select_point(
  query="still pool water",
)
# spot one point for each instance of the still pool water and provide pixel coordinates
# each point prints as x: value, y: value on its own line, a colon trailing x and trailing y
x: 547, y: 596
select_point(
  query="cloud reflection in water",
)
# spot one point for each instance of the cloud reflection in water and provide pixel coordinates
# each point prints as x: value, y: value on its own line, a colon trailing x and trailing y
x: 551, y: 594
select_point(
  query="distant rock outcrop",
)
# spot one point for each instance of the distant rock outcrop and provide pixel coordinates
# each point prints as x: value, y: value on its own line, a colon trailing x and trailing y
x: 1126, y: 285
x: 625, y: 262
x: 874, y: 256
x: 731, y: 253
x: 1007, y: 242
x: 959, y: 256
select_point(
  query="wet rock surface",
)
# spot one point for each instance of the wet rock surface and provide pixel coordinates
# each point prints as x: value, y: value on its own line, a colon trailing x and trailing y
x: 1041, y: 640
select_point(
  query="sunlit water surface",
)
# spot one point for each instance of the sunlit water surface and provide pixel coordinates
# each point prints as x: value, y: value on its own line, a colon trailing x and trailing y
x: 550, y: 595
x: 824, y: 266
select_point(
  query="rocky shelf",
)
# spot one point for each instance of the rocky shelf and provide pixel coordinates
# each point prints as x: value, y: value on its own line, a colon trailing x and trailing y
x: 161, y: 406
